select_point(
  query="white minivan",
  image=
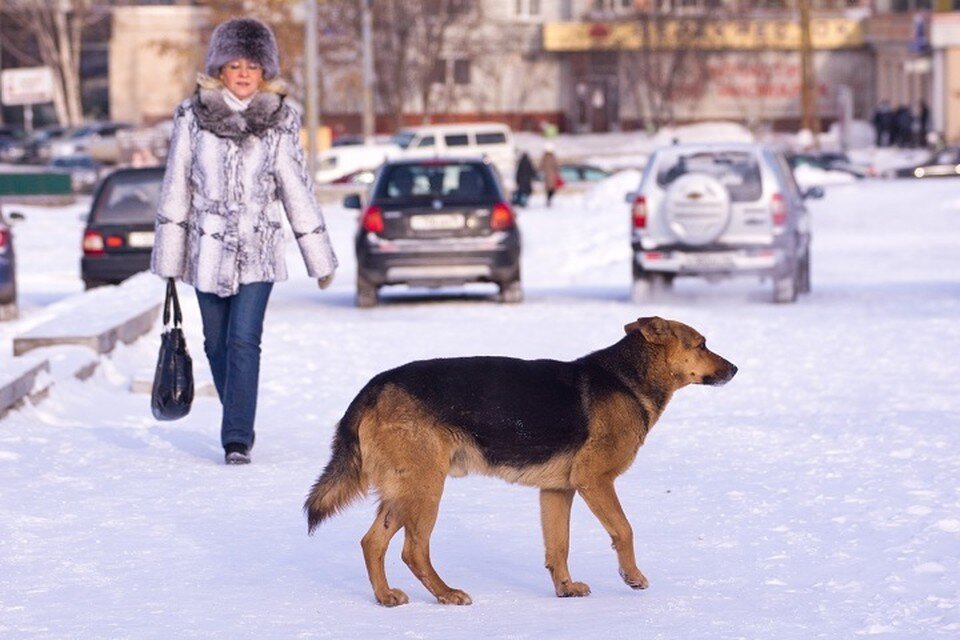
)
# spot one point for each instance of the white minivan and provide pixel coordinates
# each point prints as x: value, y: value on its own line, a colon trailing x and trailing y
x: 488, y: 139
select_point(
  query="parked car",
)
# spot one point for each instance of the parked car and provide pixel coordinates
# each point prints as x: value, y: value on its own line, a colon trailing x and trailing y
x: 831, y: 161
x: 11, y: 144
x: 720, y: 210
x: 433, y: 223
x: 99, y: 139
x: 118, y: 237
x: 84, y: 171
x: 8, y: 269
x: 492, y: 140
x: 573, y: 173
x: 942, y: 164
x: 38, y: 146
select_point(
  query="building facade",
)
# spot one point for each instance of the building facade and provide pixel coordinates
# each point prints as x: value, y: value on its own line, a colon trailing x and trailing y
x: 606, y: 65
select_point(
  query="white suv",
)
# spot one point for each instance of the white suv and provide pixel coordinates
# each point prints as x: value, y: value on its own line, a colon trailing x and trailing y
x: 720, y: 210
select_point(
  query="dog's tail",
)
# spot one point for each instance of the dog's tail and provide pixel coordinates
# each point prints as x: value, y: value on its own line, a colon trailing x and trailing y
x: 342, y: 480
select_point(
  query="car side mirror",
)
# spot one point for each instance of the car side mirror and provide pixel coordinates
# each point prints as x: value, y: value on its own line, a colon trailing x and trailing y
x: 352, y: 201
x: 813, y: 192
x: 16, y: 215
x: 630, y: 197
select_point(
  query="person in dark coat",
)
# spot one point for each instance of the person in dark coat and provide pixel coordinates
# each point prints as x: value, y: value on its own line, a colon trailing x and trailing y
x: 526, y: 173
x: 924, y: 115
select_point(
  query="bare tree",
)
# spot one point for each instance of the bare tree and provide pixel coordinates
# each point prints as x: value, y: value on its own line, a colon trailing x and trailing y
x: 668, y: 63
x: 52, y: 36
x: 414, y: 40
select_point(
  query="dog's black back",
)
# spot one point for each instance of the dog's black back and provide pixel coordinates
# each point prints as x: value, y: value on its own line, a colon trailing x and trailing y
x: 518, y: 411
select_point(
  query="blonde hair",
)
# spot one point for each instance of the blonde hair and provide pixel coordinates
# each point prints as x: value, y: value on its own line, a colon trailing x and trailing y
x: 276, y: 85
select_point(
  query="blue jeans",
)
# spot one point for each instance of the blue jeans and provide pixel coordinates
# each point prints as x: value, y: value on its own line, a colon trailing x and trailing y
x: 232, y: 327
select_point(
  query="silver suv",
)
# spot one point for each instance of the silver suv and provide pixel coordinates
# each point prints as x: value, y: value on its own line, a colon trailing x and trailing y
x: 720, y: 210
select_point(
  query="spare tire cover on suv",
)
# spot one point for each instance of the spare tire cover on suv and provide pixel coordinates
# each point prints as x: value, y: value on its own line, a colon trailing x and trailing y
x: 697, y: 208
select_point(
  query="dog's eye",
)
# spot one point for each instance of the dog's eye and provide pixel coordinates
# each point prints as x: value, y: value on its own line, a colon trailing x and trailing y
x: 702, y: 346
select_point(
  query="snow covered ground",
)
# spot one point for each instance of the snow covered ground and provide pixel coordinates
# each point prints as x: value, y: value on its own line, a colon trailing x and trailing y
x: 815, y: 496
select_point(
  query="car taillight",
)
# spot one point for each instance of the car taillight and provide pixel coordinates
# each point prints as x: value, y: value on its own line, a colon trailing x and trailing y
x: 502, y: 217
x: 372, y: 220
x: 639, y: 212
x: 4, y: 239
x: 92, y: 243
x: 778, y: 212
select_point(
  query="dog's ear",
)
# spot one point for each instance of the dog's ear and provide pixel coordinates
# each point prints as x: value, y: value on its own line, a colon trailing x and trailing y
x: 655, y: 329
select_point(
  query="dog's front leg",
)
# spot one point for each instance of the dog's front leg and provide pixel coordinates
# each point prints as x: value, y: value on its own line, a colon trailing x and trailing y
x: 555, y: 518
x: 602, y: 499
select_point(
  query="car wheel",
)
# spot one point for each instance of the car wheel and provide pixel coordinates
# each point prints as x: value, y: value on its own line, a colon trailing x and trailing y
x: 647, y: 286
x: 804, y: 284
x: 785, y: 287
x: 511, y: 292
x: 93, y: 284
x: 367, y: 294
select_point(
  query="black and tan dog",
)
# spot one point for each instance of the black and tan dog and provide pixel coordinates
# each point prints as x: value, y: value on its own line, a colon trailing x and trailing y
x: 566, y: 427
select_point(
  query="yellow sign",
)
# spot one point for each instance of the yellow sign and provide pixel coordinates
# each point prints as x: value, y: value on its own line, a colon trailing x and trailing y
x: 671, y: 33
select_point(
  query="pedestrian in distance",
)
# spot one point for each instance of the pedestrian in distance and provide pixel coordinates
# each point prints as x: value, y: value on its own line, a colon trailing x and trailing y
x: 550, y: 171
x: 234, y: 168
x: 526, y: 173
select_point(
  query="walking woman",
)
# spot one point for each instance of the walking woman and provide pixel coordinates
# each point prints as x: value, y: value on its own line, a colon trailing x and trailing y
x: 234, y: 168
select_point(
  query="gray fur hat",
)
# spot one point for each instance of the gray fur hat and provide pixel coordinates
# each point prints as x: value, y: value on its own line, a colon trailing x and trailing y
x: 243, y: 38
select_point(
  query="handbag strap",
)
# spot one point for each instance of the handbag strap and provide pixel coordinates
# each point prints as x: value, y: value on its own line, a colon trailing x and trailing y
x: 175, y: 301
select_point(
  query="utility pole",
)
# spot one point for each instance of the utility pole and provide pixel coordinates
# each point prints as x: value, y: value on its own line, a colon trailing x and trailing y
x: 809, y: 115
x: 312, y: 119
x: 369, y: 125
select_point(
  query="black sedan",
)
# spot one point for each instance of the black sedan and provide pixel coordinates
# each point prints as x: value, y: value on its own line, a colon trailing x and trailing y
x: 433, y: 223
x: 942, y: 164
x: 118, y: 237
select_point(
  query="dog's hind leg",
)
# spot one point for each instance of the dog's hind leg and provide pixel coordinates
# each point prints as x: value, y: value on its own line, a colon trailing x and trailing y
x: 601, y: 497
x: 420, y: 514
x: 555, y: 518
x: 374, y: 545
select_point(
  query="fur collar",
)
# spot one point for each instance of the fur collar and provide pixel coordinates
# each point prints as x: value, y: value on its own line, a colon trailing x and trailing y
x: 266, y: 111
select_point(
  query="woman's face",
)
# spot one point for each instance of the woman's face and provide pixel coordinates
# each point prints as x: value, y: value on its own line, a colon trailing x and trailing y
x: 242, y: 77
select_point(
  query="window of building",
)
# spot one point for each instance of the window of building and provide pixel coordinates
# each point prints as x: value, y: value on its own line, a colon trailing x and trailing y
x: 527, y: 7
x: 461, y: 71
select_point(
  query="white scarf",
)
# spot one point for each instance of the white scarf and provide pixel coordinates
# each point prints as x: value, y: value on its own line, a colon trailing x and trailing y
x: 234, y: 102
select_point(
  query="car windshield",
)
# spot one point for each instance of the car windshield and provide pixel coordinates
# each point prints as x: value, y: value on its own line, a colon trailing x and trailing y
x: 738, y: 171
x: 403, y: 139
x: 129, y: 198
x: 454, y: 180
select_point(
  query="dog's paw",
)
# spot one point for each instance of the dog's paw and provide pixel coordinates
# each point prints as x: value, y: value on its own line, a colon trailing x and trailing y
x: 573, y: 589
x: 454, y: 596
x: 635, y: 580
x: 393, y: 598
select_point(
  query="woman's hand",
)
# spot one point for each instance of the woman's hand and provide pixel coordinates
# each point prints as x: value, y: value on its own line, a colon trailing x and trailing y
x: 325, y: 281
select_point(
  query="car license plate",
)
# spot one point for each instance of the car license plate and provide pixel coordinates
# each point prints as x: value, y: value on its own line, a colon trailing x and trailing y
x: 708, y: 261
x: 437, y: 222
x: 140, y: 239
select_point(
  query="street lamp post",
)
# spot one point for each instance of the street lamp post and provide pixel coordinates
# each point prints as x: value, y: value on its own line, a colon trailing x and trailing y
x: 369, y: 126
x: 310, y: 82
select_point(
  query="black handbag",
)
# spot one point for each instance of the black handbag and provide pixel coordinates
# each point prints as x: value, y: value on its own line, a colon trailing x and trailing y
x: 173, y: 381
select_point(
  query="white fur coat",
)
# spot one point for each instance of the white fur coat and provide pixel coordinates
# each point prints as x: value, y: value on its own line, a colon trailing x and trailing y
x: 230, y: 177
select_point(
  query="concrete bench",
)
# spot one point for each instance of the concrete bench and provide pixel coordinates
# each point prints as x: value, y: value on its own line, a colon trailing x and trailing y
x: 99, y: 318
x: 22, y: 378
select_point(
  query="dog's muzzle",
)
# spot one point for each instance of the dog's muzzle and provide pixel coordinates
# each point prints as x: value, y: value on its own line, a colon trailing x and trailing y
x: 722, y: 375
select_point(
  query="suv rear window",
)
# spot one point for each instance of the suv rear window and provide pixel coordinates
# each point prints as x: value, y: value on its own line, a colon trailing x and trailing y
x: 738, y: 171
x: 466, y: 180
x: 129, y: 197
